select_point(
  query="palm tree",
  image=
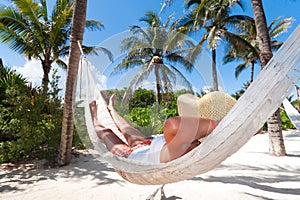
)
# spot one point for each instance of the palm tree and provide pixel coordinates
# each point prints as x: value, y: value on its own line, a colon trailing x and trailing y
x: 28, y: 29
x: 158, y: 49
x: 211, y: 19
x: 276, y: 142
x: 77, y: 30
x: 250, y: 55
x: 297, y: 92
x: 1, y: 64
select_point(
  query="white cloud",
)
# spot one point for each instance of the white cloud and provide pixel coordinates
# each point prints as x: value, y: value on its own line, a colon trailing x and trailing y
x: 32, y: 71
x: 96, y: 76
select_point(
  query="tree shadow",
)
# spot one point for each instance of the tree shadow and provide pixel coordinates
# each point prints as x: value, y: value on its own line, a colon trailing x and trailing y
x: 258, y: 196
x: 245, y: 177
x: 83, y: 167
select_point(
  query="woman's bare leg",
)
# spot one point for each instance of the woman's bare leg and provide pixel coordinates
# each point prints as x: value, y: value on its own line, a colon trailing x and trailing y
x: 132, y: 135
x: 109, y: 138
x: 182, y: 134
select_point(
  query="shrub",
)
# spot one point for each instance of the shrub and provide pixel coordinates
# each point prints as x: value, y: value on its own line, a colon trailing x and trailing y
x: 30, y: 120
x: 286, y: 122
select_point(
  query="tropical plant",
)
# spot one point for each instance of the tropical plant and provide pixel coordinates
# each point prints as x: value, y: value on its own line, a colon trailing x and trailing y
x: 240, y: 92
x: 159, y: 49
x: 249, y: 55
x: 77, y: 30
x: 141, y: 98
x: 27, y: 28
x: 276, y: 142
x: 1, y: 64
x: 212, y: 20
x: 30, y: 121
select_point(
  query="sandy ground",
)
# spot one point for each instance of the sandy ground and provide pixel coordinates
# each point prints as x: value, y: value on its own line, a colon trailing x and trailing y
x: 249, y: 174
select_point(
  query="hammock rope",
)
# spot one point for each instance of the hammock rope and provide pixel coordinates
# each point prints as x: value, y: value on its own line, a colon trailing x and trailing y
x: 247, y: 116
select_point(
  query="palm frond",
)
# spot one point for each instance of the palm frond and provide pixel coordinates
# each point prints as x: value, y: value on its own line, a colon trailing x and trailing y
x: 182, y: 78
x: 92, y: 50
x: 173, y: 41
x: 93, y: 25
x: 176, y: 58
x: 135, y: 81
x: 278, y: 26
x: 240, y: 44
x: 61, y: 63
x: 239, y: 69
x: 195, y: 51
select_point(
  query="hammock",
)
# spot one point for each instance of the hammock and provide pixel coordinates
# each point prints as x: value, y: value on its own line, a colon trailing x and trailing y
x: 292, y: 113
x: 247, y: 116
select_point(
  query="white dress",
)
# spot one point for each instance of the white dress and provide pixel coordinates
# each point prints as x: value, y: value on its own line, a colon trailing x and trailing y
x: 151, y: 153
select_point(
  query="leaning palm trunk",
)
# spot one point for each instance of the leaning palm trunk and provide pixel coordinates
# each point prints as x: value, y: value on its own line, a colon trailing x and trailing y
x: 214, y: 70
x: 158, y: 86
x: 252, y: 72
x: 274, y: 122
x: 1, y: 64
x: 77, y: 29
x: 276, y: 143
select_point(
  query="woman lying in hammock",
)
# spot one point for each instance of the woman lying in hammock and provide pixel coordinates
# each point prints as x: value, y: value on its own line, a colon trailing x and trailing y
x: 181, y: 135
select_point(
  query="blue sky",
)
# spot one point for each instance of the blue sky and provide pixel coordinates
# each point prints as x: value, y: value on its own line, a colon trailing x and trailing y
x: 118, y: 15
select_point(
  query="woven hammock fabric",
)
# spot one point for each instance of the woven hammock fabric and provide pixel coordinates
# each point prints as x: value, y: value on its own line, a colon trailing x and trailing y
x: 246, y: 117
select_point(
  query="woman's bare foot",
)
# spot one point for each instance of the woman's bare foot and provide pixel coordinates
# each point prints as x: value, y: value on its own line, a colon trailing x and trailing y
x: 111, y: 102
x: 100, y: 129
x: 93, y: 109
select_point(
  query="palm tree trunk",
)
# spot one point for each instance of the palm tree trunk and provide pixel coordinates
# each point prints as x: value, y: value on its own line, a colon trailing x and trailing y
x: 158, y: 85
x: 275, y: 139
x: 77, y: 30
x: 1, y: 64
x: 296, y: 88
x: 214, y: 70
x: 276, y: 142
x: 45, y: 81
x: 252, y: 72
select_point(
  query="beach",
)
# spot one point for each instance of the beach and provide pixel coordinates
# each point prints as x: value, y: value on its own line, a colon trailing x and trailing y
x: 251, y: 173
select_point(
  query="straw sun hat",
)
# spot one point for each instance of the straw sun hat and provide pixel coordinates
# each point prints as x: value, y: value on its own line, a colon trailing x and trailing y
x: 214, y: 105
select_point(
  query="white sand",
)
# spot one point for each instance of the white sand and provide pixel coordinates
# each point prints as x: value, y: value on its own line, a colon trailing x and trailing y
x: 249, y: 174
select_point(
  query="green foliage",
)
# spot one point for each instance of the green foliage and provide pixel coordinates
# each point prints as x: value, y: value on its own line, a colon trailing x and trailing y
x: 143, y: 112
x: 240, y: 92
x: 81, y: 136
x: 149, y: 120
x: 140, y: 116
x: 141, y: 98
x: 30, y: 121
x: 296, y: 104
x: 286, y: 122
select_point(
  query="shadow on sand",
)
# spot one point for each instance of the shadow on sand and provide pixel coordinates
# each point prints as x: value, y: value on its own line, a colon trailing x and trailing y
x: 82, y: 167
x: 273, y: 174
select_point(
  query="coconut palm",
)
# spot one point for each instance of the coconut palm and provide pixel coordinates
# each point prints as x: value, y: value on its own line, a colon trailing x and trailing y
x: 77, y: 29
x: 297, y: 92
x: 212, y: 20
x: 158, y: 49
x: 1, y: 64
x: 276, y: 142
x: 27, y: 28
x: 249, y: 55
